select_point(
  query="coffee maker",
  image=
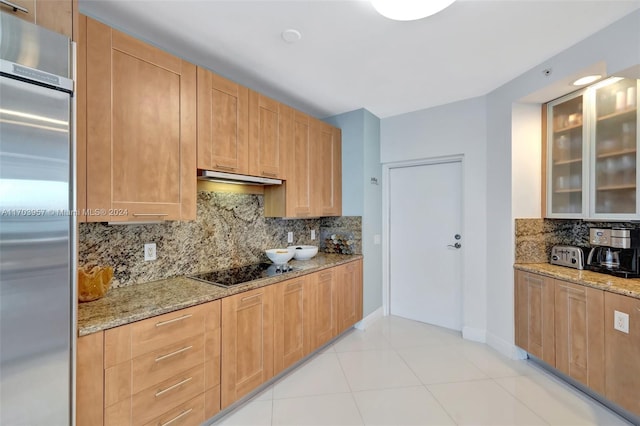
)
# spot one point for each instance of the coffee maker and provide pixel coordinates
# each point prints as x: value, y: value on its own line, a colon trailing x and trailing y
x: 615, y: 251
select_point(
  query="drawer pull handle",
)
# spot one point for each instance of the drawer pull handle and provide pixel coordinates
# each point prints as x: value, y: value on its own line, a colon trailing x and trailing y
x: 571, y: 289
x: 269, y: 174
x: 220, y: 166
x: 150, y: 214
x: 172, y: 387
x: 14, y: 6
x: 244, y: 299
x: 179, y: 416
x: 161, y: 323
x: 179, y: 351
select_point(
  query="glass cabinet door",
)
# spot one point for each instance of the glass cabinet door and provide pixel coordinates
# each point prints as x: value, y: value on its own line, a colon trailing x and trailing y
x: 565, y: 154
x: 614, y: 153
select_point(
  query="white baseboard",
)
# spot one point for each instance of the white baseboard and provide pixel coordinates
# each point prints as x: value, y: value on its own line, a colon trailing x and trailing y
x: 506, y: 348
x: 474, y: 334
x: 369, y: 319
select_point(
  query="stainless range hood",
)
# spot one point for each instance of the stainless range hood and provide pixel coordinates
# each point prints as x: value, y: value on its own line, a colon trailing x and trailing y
x: 236, y: 179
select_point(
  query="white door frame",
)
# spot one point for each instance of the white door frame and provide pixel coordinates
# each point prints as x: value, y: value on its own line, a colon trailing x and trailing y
x: 386, y: 260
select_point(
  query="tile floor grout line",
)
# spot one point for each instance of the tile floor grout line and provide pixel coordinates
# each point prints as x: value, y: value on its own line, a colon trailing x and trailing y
x: 544, y: 419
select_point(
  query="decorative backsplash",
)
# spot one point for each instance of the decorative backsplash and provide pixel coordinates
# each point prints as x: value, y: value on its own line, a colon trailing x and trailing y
x: 230, y: 230
x: 535, y: 237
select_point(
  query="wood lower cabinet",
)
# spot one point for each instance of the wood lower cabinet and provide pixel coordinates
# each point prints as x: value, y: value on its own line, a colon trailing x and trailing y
x: 89, y: 379
x: 579, y: 333
x: 292, y: 337
x: 324, y: 309
x: 247, y: 342
x: 223, y: 119
x: 622, y: 368
x: 349, y: 294
x: 55, y: 15
x: 534, y: 315
x: 140, y: 129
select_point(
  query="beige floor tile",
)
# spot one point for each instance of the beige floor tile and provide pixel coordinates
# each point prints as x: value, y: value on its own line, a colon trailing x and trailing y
x: 321, y: 375
x: 320, y: 410
x: 376, y: 369
x: 440, y: 366
x: 253, y: 413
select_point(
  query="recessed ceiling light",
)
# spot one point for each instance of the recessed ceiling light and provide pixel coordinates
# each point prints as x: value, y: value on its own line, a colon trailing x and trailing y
x: 291, y: 35
x: 409, y: 10
x: 587, y: 80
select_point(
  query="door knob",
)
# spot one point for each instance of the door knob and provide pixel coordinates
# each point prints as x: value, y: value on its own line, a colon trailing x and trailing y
x: 456, y: 245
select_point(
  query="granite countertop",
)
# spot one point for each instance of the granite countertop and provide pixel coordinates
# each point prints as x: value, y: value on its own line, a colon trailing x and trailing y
x: 625, y: 286
x: 125, y: 305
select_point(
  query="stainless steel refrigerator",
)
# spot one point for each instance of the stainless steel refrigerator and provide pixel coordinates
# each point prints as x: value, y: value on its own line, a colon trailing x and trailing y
x: 37, y: 238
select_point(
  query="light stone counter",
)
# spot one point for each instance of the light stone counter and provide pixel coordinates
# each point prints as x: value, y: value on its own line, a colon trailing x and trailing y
x: 137, y: 302
x: 625, y: 286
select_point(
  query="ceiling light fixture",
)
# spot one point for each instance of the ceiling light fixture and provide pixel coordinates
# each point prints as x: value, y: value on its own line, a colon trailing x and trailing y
x: 587, y: 80
x: 409, y: 10
x: 291, y: 35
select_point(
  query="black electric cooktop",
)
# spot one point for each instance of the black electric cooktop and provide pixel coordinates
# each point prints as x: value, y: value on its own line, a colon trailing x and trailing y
x: 242, y: 274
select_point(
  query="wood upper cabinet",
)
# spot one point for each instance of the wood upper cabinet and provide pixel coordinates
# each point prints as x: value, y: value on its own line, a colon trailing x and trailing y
x: 579, y: 333
x: 326, y: 172
x: 292, y: 338
x: 55, y: 15
x: 223, y: 120
x: 267, y: 137
x: 622, y: 369
x: 349, y: 294
x: 141, y: 130
x: 324, y: 309
x: 247, y: 342
x: 534, y: 315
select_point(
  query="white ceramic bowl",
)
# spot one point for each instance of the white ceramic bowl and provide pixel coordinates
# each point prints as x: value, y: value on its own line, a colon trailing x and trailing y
x: 304, y: 252
x: 280, y: 256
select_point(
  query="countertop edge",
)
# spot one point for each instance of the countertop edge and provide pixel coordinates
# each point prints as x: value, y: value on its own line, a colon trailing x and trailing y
x: 207, y: 293
x: 624, y: 286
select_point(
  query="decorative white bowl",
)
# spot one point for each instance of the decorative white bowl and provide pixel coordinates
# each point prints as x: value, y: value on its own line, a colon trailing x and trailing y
x: 280, y: 256
x: 304, y: 252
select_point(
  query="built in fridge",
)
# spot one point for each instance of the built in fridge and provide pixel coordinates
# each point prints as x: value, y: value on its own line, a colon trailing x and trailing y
x: 37, y: 286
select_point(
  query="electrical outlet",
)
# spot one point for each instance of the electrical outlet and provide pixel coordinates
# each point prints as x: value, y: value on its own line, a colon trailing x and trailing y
x: 313, y: 234
x: 289, y: 237
x: 150, y: 251
x: 621, y: 321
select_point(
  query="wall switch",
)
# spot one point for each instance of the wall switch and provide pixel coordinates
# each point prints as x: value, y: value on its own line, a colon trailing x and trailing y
x: 621, y: 321
x: 376, y: 239
x: 313, y: 234
x: 289, y: 237
x: 150, y: 251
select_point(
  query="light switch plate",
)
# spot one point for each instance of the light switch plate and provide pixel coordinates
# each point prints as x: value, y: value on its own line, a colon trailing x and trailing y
x: 150, y: 251
x: 621, y: 321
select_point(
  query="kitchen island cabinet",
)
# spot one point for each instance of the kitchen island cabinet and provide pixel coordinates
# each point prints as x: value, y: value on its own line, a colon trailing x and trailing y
x: 140, y: 129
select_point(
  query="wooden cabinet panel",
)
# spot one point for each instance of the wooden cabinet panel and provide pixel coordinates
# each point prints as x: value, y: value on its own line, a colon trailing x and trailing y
x: 55, y: 15
x: 223, y: 116
x: 267, y: 153
x: 290, y: 329
x: 622, y: 369
x: 349, y: 290
x: 141, y: 105
x: 326, y: 141
x: 191, y: 413
x: 324, y: 308
x: 579, y: 333
x: 247, y: 343
x: 535, y: 312
x: 89, y: 380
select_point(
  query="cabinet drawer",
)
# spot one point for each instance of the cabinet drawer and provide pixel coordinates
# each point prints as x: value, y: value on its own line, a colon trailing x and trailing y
x: 146, y: 405
x: 158, y: 332
x: 190, y: 413
x: 161, y: 364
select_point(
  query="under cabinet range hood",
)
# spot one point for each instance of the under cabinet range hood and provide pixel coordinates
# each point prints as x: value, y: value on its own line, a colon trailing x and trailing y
x: 223, y: 177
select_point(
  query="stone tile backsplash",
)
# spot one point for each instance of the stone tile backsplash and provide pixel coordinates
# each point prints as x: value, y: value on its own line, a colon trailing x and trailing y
x: 230, y: 230
x: 536, y: 237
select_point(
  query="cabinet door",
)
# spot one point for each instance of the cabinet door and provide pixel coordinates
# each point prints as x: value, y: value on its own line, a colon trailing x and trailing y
x: 614, y: 154
x: 247, y: 343
x: 565, y: 150
x: 266, y: 147
x: 89, y: 380
x: 55, y: 15
x: 327, y: 169
x: 534, y: 315
x: 579, y: 328
x: 299, y: 184
x: 349, y: 290
x: 223, y: 119
x: 622, y: 369
x: 140, y: 130
x: 324, y: 308
x: 290, y: 329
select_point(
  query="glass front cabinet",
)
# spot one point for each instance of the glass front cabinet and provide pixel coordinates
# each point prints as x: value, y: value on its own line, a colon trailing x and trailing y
x: 592, y: 141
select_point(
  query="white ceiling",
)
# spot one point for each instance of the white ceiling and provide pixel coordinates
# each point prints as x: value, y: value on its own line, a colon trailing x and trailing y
x: 350, y: 57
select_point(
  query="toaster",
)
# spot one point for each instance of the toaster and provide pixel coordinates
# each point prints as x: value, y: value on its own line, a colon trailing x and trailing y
x: 570, y: 256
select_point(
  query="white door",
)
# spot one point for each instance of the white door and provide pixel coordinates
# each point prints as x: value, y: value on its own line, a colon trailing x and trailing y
x: 425, y: 204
